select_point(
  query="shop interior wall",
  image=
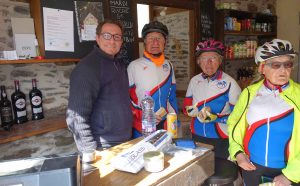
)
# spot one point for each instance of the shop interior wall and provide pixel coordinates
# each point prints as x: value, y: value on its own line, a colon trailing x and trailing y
x: 53, y: 78
x: 288, y: 27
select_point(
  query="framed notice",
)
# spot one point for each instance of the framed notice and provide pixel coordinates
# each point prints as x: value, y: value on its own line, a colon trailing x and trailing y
x: 58, y: 30
x: 88, y: 16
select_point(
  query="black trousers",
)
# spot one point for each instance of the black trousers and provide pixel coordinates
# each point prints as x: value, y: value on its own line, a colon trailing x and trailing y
x: 220, y: 145
x: 254, y: 178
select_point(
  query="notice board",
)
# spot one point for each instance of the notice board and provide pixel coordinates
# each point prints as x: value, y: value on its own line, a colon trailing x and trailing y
x: 120, y: 10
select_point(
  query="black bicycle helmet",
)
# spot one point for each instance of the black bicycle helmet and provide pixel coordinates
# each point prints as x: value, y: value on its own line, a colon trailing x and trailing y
x: 274, y: 48
x: 155, y: 26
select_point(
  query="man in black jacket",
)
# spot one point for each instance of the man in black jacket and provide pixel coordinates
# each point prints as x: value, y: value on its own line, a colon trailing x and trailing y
x: 99, y: 114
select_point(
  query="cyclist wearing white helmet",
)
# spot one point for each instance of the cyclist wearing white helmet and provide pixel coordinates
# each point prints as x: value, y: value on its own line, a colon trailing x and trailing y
x: 264, y: 130
x: 154, y: 73
x: 210, y: 98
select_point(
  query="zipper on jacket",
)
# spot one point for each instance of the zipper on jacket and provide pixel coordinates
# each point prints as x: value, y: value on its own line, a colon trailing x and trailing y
x: 241, y: 116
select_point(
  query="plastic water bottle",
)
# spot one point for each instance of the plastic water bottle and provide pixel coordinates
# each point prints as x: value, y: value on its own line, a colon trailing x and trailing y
x: 148, y: 115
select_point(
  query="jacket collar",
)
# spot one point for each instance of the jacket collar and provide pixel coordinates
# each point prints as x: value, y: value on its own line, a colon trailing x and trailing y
x: 102, y: 53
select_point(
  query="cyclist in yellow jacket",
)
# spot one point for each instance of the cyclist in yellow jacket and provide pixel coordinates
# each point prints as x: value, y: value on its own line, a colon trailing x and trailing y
x: 264, y: 127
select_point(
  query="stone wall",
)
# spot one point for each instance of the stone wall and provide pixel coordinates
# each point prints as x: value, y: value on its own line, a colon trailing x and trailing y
x: 53, y: 78
x: 178, y: 46
x: 53, y: 81
x: 10, y: 9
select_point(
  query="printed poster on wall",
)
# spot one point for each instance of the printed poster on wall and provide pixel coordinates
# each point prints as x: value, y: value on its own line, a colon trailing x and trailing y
x: 58, y: 30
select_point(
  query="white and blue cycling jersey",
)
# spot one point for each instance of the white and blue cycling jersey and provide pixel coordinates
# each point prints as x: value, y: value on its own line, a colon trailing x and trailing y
x: 270, y: 124
x: 143, y: 76
x: 220, y: 93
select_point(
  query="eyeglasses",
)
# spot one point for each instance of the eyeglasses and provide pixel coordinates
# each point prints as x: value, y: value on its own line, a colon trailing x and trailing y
x: 278, y: 65
x: 108, y: 36
x: 206, y: 59
x: 152, y: 39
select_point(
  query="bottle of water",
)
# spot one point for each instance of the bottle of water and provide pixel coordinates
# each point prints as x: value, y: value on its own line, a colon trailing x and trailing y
x: 148, y: 115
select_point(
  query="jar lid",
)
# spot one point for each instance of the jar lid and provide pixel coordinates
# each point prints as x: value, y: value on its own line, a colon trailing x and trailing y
x: 153, y: 155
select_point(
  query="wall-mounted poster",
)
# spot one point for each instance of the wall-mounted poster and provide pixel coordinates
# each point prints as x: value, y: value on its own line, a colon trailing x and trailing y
x: 58, y: 30
x: 88, y: 15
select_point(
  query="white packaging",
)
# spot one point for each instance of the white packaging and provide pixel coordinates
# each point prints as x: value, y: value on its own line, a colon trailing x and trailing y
x: 132, y: 160
x: 154, y: 161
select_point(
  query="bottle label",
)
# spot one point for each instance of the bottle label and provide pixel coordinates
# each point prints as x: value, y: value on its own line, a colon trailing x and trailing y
x: 21, y: 113
x: 20, y: 103
x: 37, y: 110
x: 36, y: 100
x: 6, y: 114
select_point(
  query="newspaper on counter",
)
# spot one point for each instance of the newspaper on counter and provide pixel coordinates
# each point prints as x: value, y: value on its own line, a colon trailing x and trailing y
x: 132, y: 160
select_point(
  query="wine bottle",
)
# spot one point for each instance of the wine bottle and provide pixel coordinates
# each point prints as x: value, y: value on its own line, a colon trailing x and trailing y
x: 6, y: 111
x: 19, y: 104
x: 36, y: 101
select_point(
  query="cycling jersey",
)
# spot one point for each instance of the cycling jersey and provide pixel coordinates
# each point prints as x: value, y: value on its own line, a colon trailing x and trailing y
x: 143, y: 76
x: 220, y: 93
x: 272, y: 126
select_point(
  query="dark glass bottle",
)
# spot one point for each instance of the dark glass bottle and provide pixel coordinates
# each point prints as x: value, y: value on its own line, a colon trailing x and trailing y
x: 19, y: 104
x: 36, y: 101
x: 6, y: 111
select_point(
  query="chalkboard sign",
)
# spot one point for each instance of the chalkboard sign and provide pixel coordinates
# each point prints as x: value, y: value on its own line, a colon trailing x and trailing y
x: 121, y: 10
x: 206, y: 19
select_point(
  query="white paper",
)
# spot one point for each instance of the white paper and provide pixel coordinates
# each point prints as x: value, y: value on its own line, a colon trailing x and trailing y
x: 88, y: 33
x: 25, y: 45
x: 58, y: 30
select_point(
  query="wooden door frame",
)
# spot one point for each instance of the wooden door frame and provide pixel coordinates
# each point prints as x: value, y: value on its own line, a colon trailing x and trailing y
x: 194, y: 7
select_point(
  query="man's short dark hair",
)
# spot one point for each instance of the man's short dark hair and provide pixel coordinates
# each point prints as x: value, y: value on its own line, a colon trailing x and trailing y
x: 110, y: 21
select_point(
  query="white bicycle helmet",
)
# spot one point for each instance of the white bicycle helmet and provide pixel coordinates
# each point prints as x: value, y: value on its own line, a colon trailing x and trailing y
x: 272, y: 49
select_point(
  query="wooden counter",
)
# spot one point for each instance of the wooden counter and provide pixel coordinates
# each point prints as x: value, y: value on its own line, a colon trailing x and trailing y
x: 178, y: 170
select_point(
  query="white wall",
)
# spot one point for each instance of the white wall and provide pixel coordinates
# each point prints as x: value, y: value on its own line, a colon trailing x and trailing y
x: 288, y: 26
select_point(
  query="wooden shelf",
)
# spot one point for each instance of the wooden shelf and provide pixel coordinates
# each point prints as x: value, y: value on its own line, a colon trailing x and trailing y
x: 32, y: 128
x: 27, y: 61
x: 246, y: 33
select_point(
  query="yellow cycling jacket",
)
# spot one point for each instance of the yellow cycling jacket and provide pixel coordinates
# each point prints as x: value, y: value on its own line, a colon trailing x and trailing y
x: 237, y: 125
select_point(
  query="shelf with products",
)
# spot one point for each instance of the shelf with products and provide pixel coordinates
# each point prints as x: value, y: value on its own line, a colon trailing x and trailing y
x: 241, y: 32
x: 248, y: 33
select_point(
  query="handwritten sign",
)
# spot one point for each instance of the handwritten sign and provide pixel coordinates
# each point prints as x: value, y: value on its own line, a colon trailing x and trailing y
x: 121, y: 11
x: 206, y: 19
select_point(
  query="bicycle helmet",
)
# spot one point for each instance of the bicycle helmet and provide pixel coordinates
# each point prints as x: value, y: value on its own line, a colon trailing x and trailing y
x: 272, y: 49
x: 155, y: 26
x: 210, y: 45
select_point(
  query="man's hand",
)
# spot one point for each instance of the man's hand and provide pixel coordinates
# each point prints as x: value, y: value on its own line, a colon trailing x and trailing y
x: 244, y: 162
x: 192, y: 111
x: 281, y: 180
x: 206, y: 116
